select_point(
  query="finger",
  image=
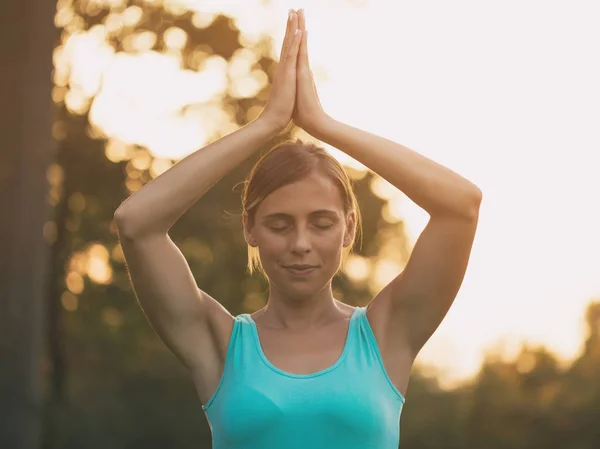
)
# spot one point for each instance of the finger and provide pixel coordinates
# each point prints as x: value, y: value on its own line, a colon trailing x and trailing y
x: 289, y: 32
x: 303, y: 53
x: 286, y: 36
x: 292, y: 56
x: 302, y: 61
x: 301, y: 19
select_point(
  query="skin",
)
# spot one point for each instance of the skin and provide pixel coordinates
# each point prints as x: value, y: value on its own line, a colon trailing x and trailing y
x: 403, y: 315
x: 301, y: 303
x: 406, y: 312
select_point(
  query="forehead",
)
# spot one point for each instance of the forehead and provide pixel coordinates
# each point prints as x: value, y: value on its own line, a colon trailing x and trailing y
x: 303, y: 197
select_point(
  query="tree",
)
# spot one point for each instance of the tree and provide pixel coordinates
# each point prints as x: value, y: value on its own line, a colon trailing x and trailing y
x: 28, y: 37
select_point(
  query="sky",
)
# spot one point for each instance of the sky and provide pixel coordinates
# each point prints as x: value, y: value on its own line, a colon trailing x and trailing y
x: 504, y: 93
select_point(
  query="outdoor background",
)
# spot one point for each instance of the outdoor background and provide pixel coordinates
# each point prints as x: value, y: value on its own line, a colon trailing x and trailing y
x: 98, y: 97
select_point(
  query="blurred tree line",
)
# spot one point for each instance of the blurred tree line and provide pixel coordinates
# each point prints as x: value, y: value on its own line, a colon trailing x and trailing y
x: 110, y: 382
x: 529, y: 402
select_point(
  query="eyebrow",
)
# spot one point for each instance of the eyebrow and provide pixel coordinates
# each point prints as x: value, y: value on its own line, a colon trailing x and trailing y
x: 316, y: 212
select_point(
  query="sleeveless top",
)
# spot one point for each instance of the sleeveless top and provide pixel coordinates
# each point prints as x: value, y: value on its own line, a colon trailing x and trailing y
x: 351, y: 405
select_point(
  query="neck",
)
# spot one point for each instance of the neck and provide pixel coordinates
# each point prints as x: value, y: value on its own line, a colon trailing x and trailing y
x: 300, y: 314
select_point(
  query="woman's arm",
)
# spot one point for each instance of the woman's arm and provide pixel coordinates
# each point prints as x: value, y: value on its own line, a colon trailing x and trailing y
x: 195, y: 326
x: 158, y: 205
x: 435, y: 188
x: 410, y: 308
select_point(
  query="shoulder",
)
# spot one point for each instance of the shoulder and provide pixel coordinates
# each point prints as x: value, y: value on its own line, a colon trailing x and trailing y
x: 346, y: 309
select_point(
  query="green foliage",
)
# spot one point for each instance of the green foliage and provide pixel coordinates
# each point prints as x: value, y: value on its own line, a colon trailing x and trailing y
x: 527, y: 403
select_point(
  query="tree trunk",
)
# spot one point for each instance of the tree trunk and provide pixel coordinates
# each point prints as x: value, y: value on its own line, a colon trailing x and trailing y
x: 28, y: 37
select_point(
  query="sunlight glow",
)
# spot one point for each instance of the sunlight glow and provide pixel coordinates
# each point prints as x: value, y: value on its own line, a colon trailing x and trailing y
x: 385, y: 271
x: 175, y: 38
x: 383, y: 189
x: 69, y: 301
x: 357, y: 268
x: 515, y: 112
x: 140, y: 41
x: 132, y: 15
x: 74, y: 282
x: 131, y: 108
x: 98, y: 268
x: 117, y: 253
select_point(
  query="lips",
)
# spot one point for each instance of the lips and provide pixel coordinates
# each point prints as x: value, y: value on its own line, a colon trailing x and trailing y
x: 295, y: 270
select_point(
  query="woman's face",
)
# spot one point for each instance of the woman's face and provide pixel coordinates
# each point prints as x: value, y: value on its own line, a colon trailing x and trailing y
x: 301, y: 224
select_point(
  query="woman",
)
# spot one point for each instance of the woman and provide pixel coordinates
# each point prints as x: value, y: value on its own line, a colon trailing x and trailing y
x: 305, y: 370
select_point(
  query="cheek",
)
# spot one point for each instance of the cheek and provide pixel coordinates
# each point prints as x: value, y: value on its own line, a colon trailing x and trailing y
x: 330, y: 248
x: 333, y: 243
x: 273, y: 246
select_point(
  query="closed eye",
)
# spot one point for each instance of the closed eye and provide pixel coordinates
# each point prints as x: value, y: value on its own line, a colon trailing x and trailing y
x: 281, y: 229
x: 278, y: 229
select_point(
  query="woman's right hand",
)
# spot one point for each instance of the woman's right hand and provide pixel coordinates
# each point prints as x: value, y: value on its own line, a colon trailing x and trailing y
x: 282, y: 97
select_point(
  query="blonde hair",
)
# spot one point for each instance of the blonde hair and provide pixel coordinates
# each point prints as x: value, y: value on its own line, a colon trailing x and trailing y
x: 284, y: 164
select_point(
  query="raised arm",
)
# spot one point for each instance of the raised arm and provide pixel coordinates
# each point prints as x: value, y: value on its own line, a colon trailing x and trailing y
x: 177, y: 189
x: 411, y: 307
x: 191, y: 323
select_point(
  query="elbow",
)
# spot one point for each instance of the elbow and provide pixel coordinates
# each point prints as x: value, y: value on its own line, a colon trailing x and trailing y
x: 125, y: 226
x: 474, y: 203
x: 476, y: 196
x: 119, y: 218
x: 135, y: 225
x: 119, y: 214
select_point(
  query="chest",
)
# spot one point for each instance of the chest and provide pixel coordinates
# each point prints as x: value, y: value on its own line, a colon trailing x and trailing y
x: 303, y: 353
x: 340, y: 409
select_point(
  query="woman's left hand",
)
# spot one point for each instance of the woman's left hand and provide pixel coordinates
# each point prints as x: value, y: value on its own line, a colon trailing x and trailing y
x: 308, y: 112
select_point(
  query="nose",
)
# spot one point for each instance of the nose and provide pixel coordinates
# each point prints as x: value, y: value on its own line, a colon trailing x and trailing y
x: 301, y: 241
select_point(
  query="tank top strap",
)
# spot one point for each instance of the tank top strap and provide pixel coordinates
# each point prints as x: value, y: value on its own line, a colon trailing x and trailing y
x: 240, y: 352
x: 366, y: 351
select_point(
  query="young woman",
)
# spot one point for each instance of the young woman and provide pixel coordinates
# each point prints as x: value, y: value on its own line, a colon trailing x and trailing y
x: 306, y: 370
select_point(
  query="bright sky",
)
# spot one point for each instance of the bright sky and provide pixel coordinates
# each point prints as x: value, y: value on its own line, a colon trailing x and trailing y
x: 505, y: 93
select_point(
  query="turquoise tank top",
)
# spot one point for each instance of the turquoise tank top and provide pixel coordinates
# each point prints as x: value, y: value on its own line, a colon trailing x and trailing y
x: 350, y: 405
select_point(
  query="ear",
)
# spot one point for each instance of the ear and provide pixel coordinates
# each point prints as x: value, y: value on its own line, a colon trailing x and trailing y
x: 349, y: 234
x: 247, y: 233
